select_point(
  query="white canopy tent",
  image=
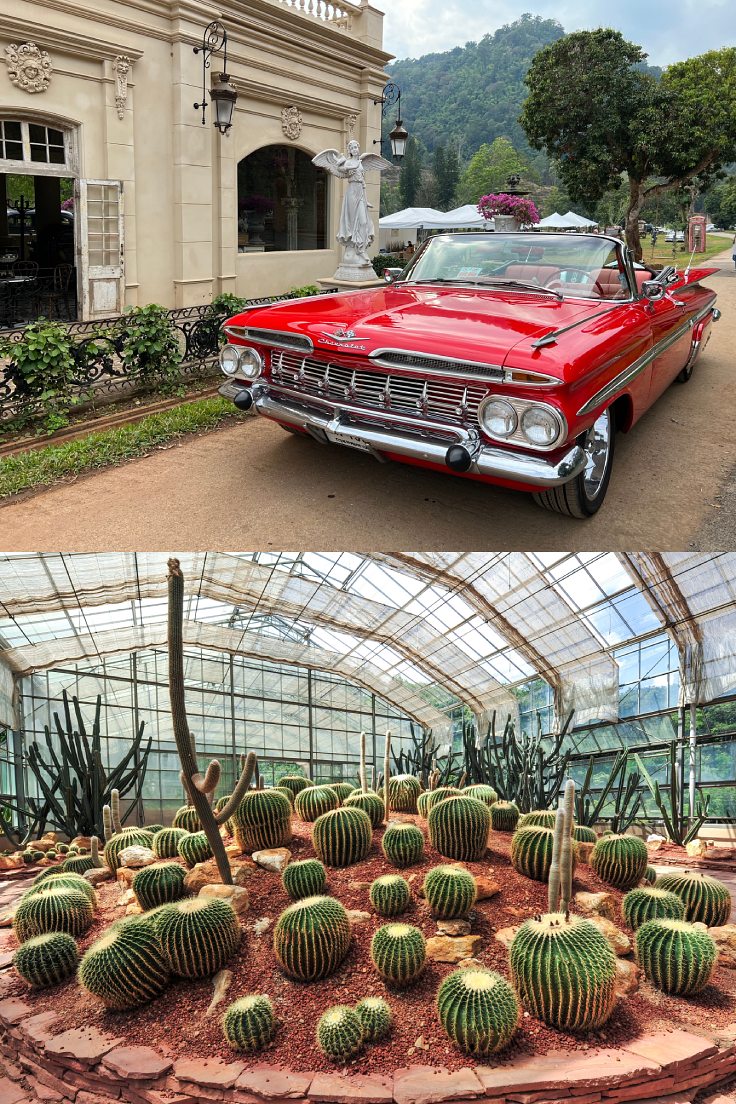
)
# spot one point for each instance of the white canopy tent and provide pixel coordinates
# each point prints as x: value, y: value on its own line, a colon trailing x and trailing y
x: 568, y: 221
x: 466, y: 216
x: 411, y: 218
x: 578, y: 220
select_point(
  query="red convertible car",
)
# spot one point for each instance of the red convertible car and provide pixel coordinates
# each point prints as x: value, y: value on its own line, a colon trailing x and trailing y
x: 509, y: 358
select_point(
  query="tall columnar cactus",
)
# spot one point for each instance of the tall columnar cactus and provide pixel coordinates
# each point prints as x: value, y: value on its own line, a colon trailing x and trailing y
x: 564, y: 854
x: 478, y: 1010
x: 581, y: 833
x: 47, y: 959
x: 370, y: 803
x: 531, y: 852
x: 111, y: 816
x: 537, y: 818
x: 706, y: 899
x: 399, y: 952
x: 187, y: 818
x: 249, y: 1023
x: 387, y: 775
x: 295, y: 782
x: 61, y: 880
x: 311, y: 938
x: 158, y: 884
x: 342, y: 789
x: 376, y: 1018
x: 315, y: 801
x: 484, y: 793
x: 343, y: 836
x: 403, y: 844
x: 676, y: 956
x: 195, y: 848
x: 125, y: 968
x: 390, y: 895
x: 620, y: 861
x: 340, y: 1033
x: 129, y: 837
x: 263, y: 819
x: 450, y: 891
x: 199, y: 787
x: 564, y: 971
x: 198, y: 935
x: 504, y: 816
x: 642, y: 904
x: 403, y: 791
x: 459, y: 827
x: 304, y: 879
x: 165, y: 844
x: 64, y: 910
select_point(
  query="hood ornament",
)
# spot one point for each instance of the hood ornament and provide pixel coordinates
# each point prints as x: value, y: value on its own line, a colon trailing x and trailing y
x: 340, y: 335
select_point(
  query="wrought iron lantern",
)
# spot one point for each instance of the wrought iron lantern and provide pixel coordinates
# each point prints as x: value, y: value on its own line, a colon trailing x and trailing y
x: 222, y: 93
x: 399, y: 136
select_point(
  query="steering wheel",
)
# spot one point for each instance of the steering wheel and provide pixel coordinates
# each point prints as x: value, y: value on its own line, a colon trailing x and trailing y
x: 556, y: 282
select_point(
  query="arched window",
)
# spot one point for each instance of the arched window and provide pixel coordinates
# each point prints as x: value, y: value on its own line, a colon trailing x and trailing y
x: 282, y: 201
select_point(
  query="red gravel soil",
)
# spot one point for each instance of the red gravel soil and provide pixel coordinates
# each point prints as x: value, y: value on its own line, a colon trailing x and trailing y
x: 175, y: 1022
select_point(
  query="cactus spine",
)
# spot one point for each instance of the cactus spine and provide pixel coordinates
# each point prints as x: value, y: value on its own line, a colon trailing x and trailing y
x: 315, y: 801
x: 478, y: 1009
x: 370, y: 803
x: 77, y: 864
x: 403, y: 844
x: 47, y: 959
x: 375, y: 1017
x: 706, y: 899
x: 343, y: 836
x: 640, y: 905
x: 450, y: 892
x: 304, y: 879
x: 53, y: 910
x: 125, y: 968
x: 263, y: 819
x: 482, y: 792
x: 195, y: 848
x: 398, y: 952
x: 441, y: 793
x: 676, y: 956
x: 198, y: 935
x: 459, y: 827
x: 390, y: 895
x: 158, y: 885
x: 504, y: 816
x: 403, y: 791
x: 340, y: 1033
x: 165, y: 844
x: 249, y: 1023
x: 311, y: 938
x: 620, y: 860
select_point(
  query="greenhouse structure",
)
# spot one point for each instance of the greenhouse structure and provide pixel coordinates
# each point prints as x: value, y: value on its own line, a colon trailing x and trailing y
x: 409, y: 827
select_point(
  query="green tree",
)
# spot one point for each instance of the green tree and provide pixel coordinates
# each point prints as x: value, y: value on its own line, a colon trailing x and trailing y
x: 557, y: 200
x: 720, y: 202
x: 446, y: 173
x: 599, y: 114
x: 411, y: 174
x: 489, y: 170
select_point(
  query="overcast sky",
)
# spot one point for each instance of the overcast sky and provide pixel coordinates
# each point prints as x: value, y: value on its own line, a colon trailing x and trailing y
x: 667, y: 29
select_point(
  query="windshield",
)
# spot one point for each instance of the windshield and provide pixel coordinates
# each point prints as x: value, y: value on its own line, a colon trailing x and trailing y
x: 571, y: 265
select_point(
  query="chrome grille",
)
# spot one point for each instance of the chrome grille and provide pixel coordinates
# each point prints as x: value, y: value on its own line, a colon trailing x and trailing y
x: 451, y: 401
x: 393, y: 358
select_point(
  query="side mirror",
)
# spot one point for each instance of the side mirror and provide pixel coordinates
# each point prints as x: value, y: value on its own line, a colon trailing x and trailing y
x: 391, y: 274
x: 653, y: 290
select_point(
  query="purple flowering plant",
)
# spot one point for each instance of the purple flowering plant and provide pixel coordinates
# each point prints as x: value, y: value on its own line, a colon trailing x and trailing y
x: 521, y: 207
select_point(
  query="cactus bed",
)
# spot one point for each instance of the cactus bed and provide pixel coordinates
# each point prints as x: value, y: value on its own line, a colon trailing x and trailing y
x: 175, y: 1021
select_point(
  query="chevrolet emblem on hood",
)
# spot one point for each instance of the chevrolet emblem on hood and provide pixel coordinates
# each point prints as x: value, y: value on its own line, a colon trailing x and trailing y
x: 340, y: 335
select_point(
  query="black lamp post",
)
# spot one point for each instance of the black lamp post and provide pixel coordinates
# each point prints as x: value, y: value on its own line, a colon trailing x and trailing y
x: 399, y: 136
x: 222, y: 93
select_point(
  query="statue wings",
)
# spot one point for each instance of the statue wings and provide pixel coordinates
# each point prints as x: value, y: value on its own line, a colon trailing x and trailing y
x: 330, y: 159
x: 371, y: 162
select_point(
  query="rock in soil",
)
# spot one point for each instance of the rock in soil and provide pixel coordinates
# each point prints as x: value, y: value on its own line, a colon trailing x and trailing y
x: 273, y: 859
x: 136, y: 857
x: 725, y: 938
x: 618, y: 939
x: 236, y: 895
x: 627, y: 977
x: 596, y: 904
x: 447, y: 948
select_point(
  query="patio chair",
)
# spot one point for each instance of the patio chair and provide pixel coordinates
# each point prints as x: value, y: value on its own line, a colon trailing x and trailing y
x: 25, y: 268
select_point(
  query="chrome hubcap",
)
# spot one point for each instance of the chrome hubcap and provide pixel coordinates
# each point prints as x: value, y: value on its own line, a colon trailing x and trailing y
x: 597, y: 449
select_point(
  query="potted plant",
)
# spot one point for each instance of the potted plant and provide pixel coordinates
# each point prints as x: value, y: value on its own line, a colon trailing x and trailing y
x: 509, y: 212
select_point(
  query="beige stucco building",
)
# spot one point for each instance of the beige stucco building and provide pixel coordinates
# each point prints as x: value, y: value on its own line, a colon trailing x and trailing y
x: 101, y: 94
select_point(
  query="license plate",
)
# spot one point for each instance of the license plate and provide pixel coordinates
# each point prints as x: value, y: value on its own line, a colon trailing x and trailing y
x: 350, y: 441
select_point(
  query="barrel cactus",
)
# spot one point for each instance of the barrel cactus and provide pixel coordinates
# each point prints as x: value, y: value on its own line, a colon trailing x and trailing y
x: 311, y: 938
x: 398, y: 952
x: 531, y: 852
x: 304, y: 879
x: 504, y: 816
x: 478, y: 1010
x: 125, y: 968
x: 403, y: 844
x: 62, y: 909
x: 459, y: 827
x: 390, y: 895
x: 403, y: 791
x: 620, y: 861
x: 647, y: 903
x: 340, y: 1033
x: 153, y: 828
x: 450, y: 892
x: 537, y: 818
x: 129, y: 837
x: 343, y: 836
x: 77, y: 864
x: 376, y: 1018
x: 650, y: 876
x: 47, y: 959
x: 342, y: 789
x: 198, y: 935
x: 187, y: 818
x: 295, y: 782
x: 249, y: 1023
x: 706, y: 899
x: 676, y: 956
x: 315, y: 801
x: 564, y: 971
x: 194, y: 848
x: 370, y: 803
x: 60, y: 880
x: 482, y: 792
x: 441, y: 794
x: 262, y: 819
x: 222, y: 802
x: 581, y: 833
x: 423, y: 803
x: 165, y: 844
x: 158, y: 884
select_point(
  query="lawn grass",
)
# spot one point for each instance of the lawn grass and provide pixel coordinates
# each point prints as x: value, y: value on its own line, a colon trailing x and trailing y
x: 45, y: 466
x: 662, y: 253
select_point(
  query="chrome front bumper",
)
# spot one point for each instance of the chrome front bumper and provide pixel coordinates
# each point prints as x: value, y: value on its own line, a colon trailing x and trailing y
x: 331, y: 426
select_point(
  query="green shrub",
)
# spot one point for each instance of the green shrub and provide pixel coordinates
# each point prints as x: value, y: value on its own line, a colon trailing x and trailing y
x: 150, y: 347
x: 390, y: 895
x: 158, y: 884
x: 370, y: 803
x: 304, y: 879
x: 340, y: 1033
x: 227, y: 305
x: 165, y: 844
x: 303, y: 291
x: 478, y: 1009
x: 450, y: 891
x: 403, y: 844
x: 642, y: 904
x: 125, y: 968
x: 676, y: 956
x: 504, y: 816
x: 249, y: 1023
x: 403, y: 791
x: 459, y: 827
x: 706, y: 899
x: 376, y: 1018
x: 619, y: 861
x: 262, y: 820
x: 398, y: 952
x: 382, y: 261
x: 53, y: 910
x: 47, y: 959
x: 44, y: 370
x: 311, y: 938
x: 195, y: 848
x: 343, y: 836
x: 313, y: 801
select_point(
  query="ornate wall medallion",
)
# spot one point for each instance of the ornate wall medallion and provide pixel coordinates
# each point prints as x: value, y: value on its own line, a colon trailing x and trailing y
x: 121, y: 68
x: 350, y: 122
x: 291, y: 122
x: 28, y: 67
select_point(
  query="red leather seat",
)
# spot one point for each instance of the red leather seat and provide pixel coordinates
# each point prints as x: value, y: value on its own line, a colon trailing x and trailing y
x: 531, y: 273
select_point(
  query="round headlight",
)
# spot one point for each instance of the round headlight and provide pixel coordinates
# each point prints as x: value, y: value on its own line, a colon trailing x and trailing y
x: 499, y: 418
x: 540, y: 426
x: 251, y: 363
x: 230, y: 359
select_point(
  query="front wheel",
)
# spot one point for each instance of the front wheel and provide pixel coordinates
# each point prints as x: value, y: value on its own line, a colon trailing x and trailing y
x: 583, y: 496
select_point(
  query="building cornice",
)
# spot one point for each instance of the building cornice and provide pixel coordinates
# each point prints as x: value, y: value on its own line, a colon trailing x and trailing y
x: 65, y: 42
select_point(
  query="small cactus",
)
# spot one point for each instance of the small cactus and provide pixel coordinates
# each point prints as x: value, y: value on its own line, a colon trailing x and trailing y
x: 390, y: 895
x: 706, y: 899
x: 125, y: 968
x: 187, y: 818
x: 194, y: 848
x: 376, y: 1018
x: 129, y: 837
x: 340, y: 1033
x: 581, y: 833
x: 403, y: 844
x: 198, y: 935
x: 537, y: 818
x: 47, y: 959
x: 53, y: 910
x: 403, y: 791
x: 158, y: 885
x: 249, y: 1023
x: 342, y: 789
x: 398, y: 952
x: 342, y: 836
x: 77, y: 864
x: 620, y: 861
x: 459, y: 827
x: 370, y: 803
x: 60, y: 880
x: 650, y: 876
x: 504, y: 816
x: 482, y: 792
x: 313, y: 802
x: 307, y: 878
x: 311, y: 938
x: 676, y: 957
x: 450, y: 892
x: 478, y: 1010
x: 165, y: 844
x: 262, y: 819
x: 646, y: 903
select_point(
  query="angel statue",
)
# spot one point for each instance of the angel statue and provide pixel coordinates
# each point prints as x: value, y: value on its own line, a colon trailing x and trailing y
x: 355, y: 231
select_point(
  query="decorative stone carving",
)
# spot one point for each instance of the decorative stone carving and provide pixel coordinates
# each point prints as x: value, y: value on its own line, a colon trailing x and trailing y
x: 291, y: 122
x: 121, y: 68
x: 28, y: 67
x: 350, y: 124
x: 355, y: 231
